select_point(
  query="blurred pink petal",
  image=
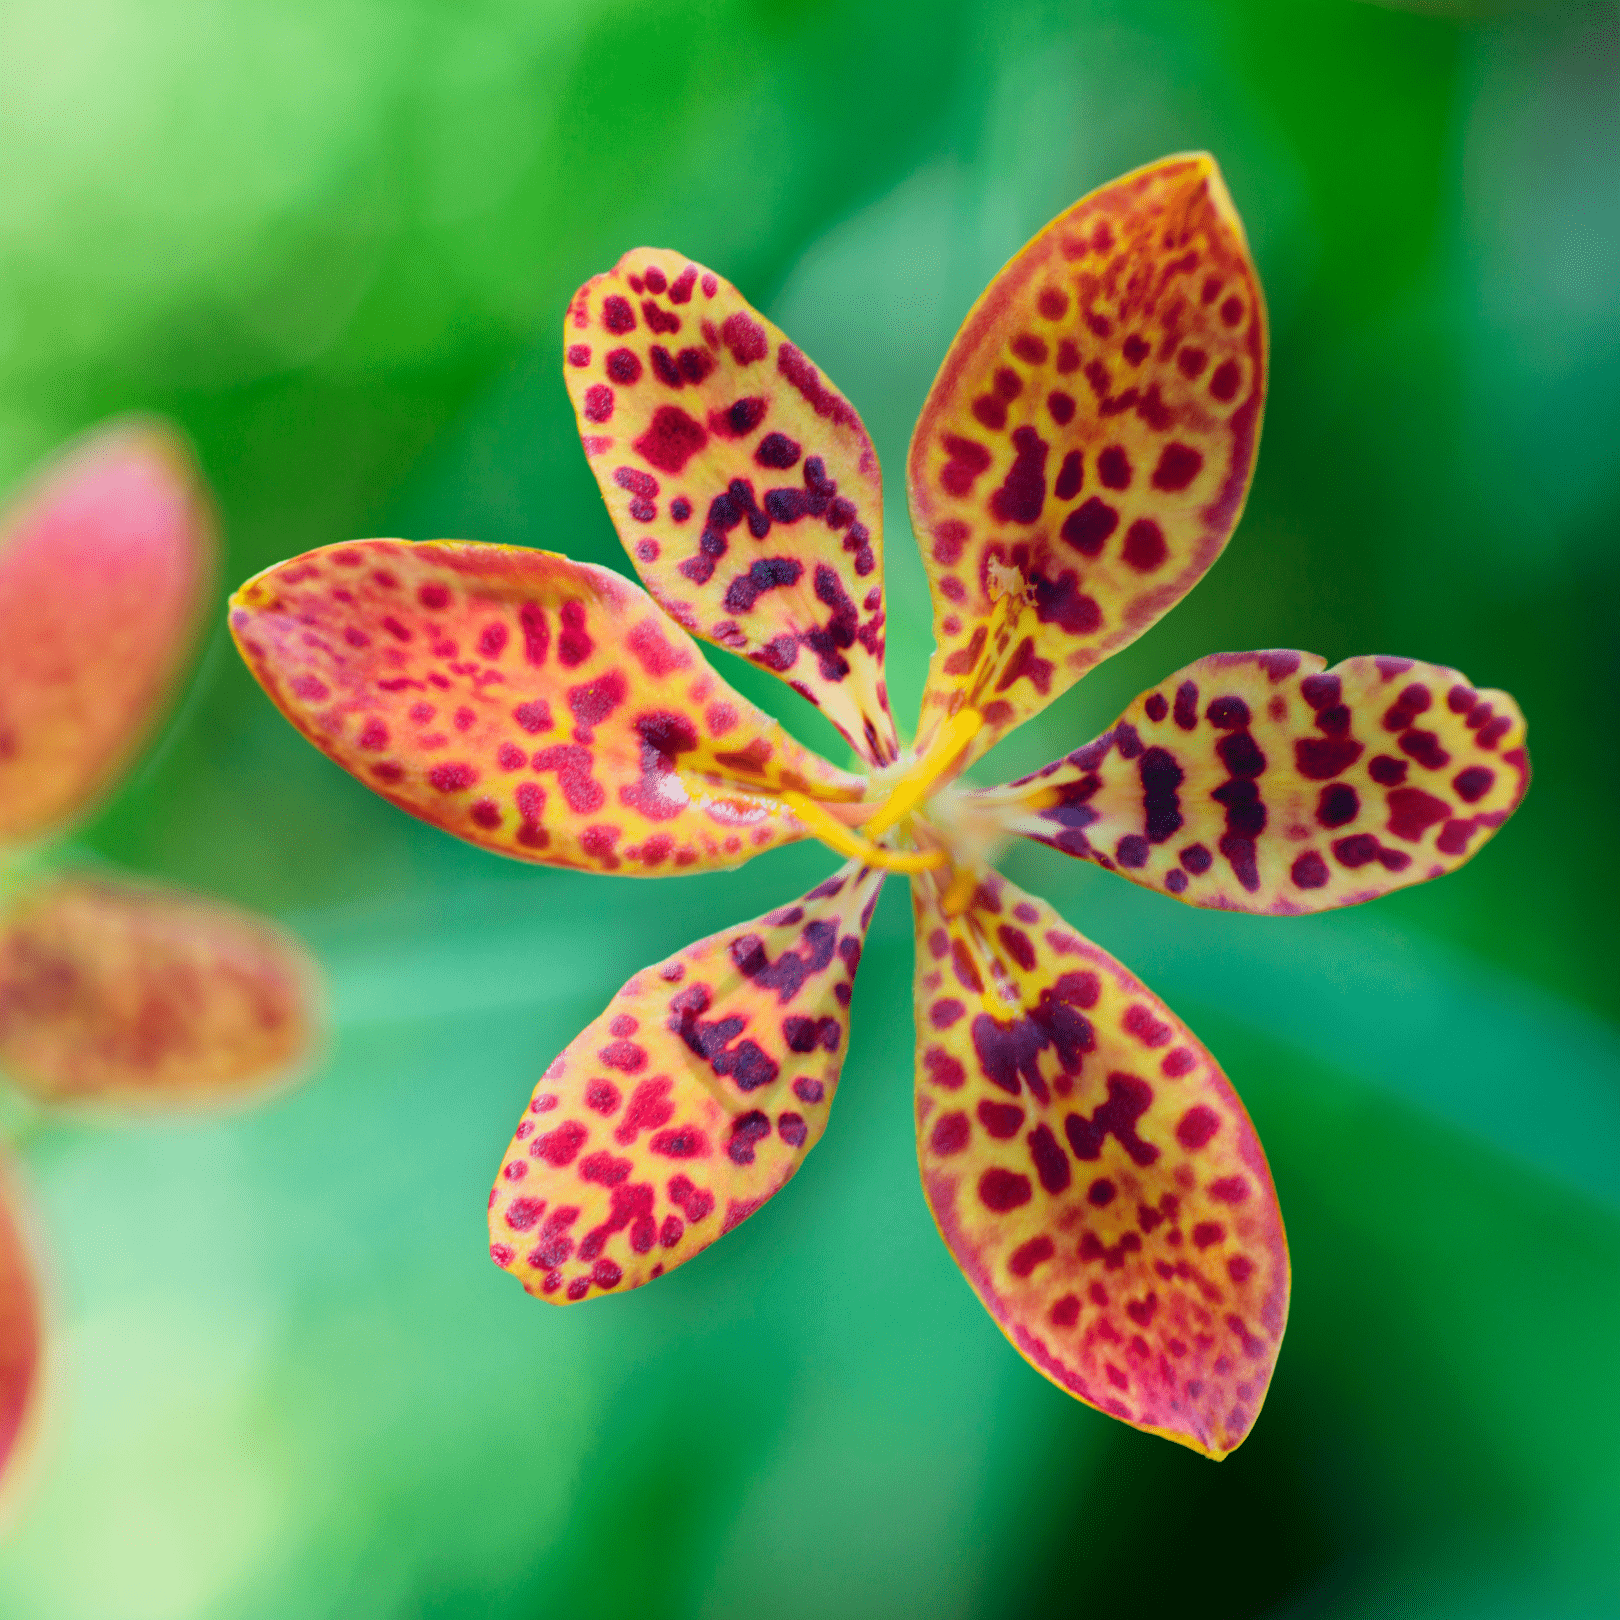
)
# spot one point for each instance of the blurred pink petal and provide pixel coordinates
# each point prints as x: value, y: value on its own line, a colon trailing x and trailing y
x: 125, y: 993
x: 19, y: 1324
x: 106, y: 557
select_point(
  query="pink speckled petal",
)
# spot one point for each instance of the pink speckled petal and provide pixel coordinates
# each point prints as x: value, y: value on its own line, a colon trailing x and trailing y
x: 1266, y: 782
x: 1087, y: 446
x: 1093, y: 1172
x: 20, y: 1325
x: 541, y: 708
x: 106, y: 557
x: 132, y: 995
x: 741, y: 481
x: 688, y: 1103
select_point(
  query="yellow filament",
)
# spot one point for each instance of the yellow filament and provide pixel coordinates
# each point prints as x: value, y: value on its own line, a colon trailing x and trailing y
x: 836, y: 835
x: 960, y: 894
x: 911, y: 788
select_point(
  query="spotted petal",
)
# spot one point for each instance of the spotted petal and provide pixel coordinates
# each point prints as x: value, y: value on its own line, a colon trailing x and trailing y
x: 131, y: 994
x: 20, y: 1325
x: 687, y: 1104
x: 741, y: 481
x: 539, y: 707
x: 105, y: 559
x: 1086, y: 448
x: 1093, y: 1172
x: 1265, y: 782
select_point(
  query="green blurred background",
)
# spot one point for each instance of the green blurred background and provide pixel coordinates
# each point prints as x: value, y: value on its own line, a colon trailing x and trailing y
x: 334, y: 241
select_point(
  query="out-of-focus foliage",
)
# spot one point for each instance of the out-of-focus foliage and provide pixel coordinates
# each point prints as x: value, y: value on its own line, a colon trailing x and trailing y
x: 334, y: 243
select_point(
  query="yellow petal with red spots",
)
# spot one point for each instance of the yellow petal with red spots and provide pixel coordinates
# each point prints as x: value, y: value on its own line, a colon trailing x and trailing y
x: 1266, y: 782
x: 105, y: 559
x: 538, y: 707
x: 1093, y: 1172
x: 20, y: 1326
x: 687, y: 1104
x: 741, y: 481
x: 1086, y: 448
x: 113, y: 992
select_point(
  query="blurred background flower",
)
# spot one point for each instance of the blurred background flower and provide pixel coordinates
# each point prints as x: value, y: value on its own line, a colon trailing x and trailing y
x: 335, y: 243
x: 116, y: 996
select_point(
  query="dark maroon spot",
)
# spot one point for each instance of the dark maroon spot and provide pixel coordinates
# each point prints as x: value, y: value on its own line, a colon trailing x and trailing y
x: 1061, y: 405
x: 1223, y: 383
x: 1089, y: 525
x: 1386, y: 770
x: 534, y: 716
x: 1186, y: 711
x: 1424, y: 747
x: 1002, y: 1120
x: 1030, y: 348
x: 1145, y: 548
x: 1228, y: 1190
x: 950, y: 1134
x: 966, y: 460
x: 1053, y: 303
x: 592, y: 702
x: 1128, y: 1099
x: 1023, y: 494
x: 792, y: 1129
x: 1114, y: 468
x: 1197, y: 859
x: 671, y: 440
x: 1318, y: 758
x: 1155, y: 707
x: 452, y: 778
x: 766, y: 574
x: 1191, y: 361
x: 617, y: 315
x: 1132, y: 851
x: 624, y: 367
x: 745, y: 337
x: 1197, y: 1125
x: 1017, y: 945
x: 536, y: 633
x: 1101, y: 1193
x: 579, y: 354
x: 1414, y: 700
x: 1051, y: 1162
x: 1309, y: 871
x: 1178, y: 465
x: 1473, y: 784
x: 1001, y: 1190
x: 1337, y: 805
x: 1207, y: 1232
x: 778, y: 451
x: 1227, y: 713
x: 1412, y: 812
x: 574, y: 645
x: 1069, y: 477
x: 1030, y: 1254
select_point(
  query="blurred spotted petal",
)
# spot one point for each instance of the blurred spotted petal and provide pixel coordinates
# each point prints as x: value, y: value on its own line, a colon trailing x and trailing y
x: 1086, y: 448
x: 687, y: 1104
x: 105, y: 560
x: 1266, y: 782
x: 538, y: 707
x: 741, y: 481
x: 1093, y: 1172
x: 135, y: 995
x: 20, y: 1325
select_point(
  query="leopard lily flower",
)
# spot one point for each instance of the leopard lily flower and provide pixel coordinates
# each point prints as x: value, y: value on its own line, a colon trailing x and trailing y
x: 116, y: 995
x: 1081, y: 460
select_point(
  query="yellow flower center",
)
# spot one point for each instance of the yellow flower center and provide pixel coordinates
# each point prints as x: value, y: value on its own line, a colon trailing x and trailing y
x: 907, y: 790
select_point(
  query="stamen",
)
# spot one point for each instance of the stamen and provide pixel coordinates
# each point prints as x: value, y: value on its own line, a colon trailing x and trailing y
x: 836, y: 835
x: 960, y: 894
x: 912, y: 787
